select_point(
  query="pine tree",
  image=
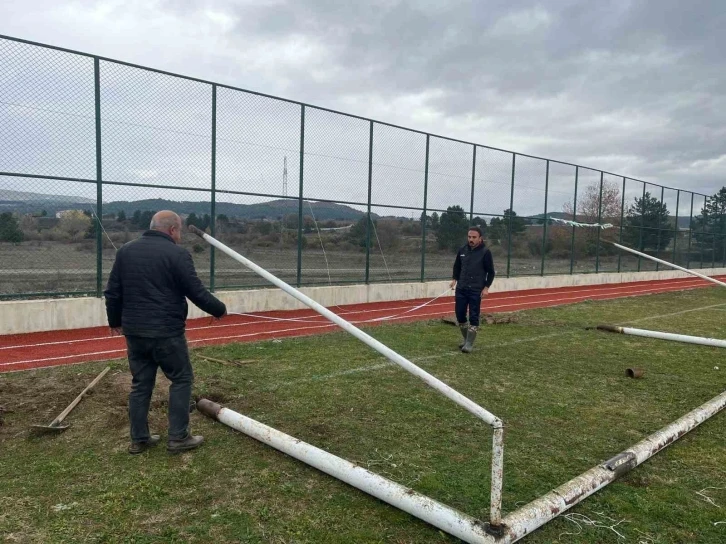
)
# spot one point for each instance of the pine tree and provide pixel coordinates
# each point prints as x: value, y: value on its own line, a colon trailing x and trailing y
x: 10, y: 229
x: 452, y: 228
x: 709, y: 229
x: 647, y: 225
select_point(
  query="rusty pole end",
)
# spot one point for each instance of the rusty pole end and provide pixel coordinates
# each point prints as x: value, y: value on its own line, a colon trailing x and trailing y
x: 196, y: 230
x: 209, y: 408
x: 610, y: 328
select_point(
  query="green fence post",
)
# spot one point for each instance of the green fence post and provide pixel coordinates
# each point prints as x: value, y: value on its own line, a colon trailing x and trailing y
x: 690, y: 234
x: 657, y: 247
x: 213, y: 209
x: 574, y: 218
x: 713, y: 250
x: 599, y: 221
x: 368, y: 214
x: 300, y: 196
x: 99, y: 179
x: 473, y: 176
x: 424, y: 217
x: 713, y: 246
x: 642, y: 220
x: 675, y: 234
x: 544, y: 226
x: 511, y: 212
x: 622, y: 217
x: 703, y: 229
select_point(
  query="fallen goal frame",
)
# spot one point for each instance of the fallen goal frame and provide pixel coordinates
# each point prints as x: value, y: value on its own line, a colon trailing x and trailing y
x: 497, y: 530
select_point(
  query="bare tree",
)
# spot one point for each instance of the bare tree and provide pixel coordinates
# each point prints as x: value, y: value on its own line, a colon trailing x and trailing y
x: 589, y: 204
x: 590, y: 208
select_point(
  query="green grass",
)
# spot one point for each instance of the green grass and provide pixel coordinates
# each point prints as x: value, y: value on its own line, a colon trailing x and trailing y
x: 560, y: 389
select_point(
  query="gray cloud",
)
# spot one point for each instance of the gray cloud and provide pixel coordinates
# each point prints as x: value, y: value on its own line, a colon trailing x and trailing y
x: 636, y: 88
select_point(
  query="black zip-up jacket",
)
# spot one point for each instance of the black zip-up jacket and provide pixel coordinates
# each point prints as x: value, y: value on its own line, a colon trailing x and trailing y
x: 474, y: 268
x: 147, y: 290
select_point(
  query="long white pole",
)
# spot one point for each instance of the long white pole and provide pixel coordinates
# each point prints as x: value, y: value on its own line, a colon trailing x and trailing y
x: 437, y: 514
x: 515, y: 525
x: 538, y: 512
x: 665, y: 336
x: 703, y: 276
x: 384, y: 350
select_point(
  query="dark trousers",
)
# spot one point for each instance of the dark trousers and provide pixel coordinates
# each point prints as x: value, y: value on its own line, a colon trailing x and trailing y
x: 172, y: 356
x: 468, y: 299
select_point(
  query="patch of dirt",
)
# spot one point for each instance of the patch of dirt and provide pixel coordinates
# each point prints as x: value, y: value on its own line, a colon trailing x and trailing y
x: 120, y: 382
x: 38, y: 397
x: 449, y: 320
x: 499, y: 319
x: 117, y: 392
x: 117, y: 417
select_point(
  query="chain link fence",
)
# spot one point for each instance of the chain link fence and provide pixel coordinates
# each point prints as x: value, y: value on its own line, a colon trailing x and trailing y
x: 90, y: 148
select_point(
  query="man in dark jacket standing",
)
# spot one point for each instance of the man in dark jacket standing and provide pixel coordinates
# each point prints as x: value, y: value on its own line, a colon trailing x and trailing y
x: 473, y: 275
x: 146, y: 302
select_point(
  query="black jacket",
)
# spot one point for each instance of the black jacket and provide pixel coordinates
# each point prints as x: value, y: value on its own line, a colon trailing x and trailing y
x: 474, y: 268
x: 147, y: 288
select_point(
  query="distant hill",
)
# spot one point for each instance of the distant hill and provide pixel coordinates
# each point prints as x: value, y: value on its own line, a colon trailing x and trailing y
x: 25, y: 202
x: 21, y: 202
x: 19, y: 196
x: 272, y: 210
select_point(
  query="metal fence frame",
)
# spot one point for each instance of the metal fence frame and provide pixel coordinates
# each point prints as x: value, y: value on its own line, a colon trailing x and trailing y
x: 213, y: 190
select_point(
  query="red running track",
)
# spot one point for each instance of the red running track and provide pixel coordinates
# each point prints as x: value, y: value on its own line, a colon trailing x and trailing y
x: 45, y: 349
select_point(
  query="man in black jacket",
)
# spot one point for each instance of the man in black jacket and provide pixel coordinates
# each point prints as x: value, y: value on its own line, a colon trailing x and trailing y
x: 473, y: 275
x: 146, y: 302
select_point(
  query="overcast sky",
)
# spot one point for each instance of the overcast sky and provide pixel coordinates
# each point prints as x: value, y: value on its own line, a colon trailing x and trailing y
x: 632, y: 87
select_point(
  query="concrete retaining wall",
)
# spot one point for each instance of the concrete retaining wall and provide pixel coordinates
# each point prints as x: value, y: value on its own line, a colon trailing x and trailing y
x: 73, y: 313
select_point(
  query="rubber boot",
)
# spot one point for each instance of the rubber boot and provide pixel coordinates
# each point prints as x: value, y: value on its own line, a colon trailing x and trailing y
x: 468, y: 346
x: 463, y: 328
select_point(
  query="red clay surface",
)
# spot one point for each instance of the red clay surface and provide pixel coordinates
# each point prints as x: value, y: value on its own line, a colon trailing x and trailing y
x: 45, y: 349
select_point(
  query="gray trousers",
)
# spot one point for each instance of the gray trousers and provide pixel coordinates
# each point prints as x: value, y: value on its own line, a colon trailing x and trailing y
x: 146, y: 355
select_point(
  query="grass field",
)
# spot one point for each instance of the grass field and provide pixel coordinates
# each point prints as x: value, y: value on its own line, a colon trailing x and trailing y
x: 560, y: 389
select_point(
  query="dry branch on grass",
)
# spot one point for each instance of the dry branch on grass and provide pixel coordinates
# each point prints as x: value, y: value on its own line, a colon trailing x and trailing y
x: 226, y: 362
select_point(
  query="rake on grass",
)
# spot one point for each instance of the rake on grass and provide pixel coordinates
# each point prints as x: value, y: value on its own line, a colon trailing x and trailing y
x: 57, y: 424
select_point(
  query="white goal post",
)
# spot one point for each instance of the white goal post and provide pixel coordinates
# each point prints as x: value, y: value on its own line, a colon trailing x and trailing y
x: 498, y: 530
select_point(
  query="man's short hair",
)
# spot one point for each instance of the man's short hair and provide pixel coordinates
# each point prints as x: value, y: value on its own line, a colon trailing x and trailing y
x: 165, y: 222
x: 475, y: 229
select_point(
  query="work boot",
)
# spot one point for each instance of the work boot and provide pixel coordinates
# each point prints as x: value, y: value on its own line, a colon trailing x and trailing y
x: 463, y: 328
x: 189, y: 443
x: 141, y: 447
x: 468, y: 346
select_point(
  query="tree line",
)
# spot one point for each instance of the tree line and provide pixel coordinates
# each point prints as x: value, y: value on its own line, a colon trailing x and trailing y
x: 647, y: 224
